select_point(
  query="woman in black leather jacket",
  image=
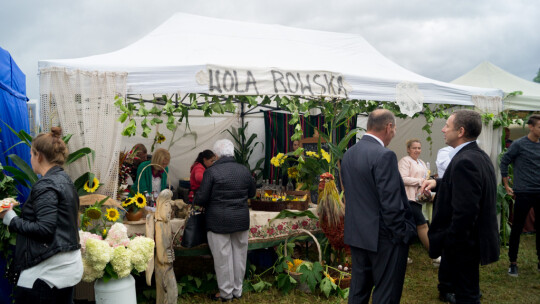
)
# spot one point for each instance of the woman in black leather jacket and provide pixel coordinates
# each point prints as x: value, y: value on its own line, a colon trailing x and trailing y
x: 47, y: 250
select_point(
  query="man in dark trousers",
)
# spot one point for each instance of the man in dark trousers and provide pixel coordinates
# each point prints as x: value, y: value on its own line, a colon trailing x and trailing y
x: 378, y: 225
x: 524, y: 153
x: 464, y: 229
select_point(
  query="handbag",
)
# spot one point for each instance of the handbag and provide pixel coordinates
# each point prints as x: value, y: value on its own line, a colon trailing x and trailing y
x: 195, y: 230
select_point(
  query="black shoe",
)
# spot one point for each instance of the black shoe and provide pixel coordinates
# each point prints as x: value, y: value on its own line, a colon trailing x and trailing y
x: 237, y: 298
x: 513, y: 270
x: 447, y: 297
x: 214, y: 297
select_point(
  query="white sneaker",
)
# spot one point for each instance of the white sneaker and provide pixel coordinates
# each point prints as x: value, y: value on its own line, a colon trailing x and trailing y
x: 409, y: 260
x: 437, y: 262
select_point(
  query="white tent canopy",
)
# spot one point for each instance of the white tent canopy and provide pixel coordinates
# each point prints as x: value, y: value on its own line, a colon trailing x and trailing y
x: 489, y: 75
x: 193, y: 54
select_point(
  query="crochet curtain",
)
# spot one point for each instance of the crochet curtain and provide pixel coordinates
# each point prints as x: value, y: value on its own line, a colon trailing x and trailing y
x: 489, y: 139
x: 82, y: 103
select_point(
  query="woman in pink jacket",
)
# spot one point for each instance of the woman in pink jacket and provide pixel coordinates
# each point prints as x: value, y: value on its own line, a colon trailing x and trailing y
x: 414, y: 171
x: 205, y: 159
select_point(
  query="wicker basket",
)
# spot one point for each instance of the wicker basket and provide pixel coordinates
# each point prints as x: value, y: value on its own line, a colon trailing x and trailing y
x: 299, y: 205
x: 272, y: 206
x: 296, y: 275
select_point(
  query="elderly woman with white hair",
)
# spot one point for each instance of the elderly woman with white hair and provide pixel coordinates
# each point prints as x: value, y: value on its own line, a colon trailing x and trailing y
x: 224, y: 191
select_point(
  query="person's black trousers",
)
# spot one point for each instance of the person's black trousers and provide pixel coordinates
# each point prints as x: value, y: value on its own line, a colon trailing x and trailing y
x: 459, y: 273
x: 524, y: 202
x: 41, y: 293
x: 384, y: 269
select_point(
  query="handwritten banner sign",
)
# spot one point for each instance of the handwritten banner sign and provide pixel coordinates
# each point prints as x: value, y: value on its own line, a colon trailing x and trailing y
x: 239, y: 81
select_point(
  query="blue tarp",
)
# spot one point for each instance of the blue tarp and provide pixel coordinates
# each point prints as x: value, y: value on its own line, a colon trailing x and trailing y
x: 13, y: 111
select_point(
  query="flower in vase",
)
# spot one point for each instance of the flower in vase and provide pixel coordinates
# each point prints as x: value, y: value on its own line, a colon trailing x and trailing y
x: 292, y: 172
x: 121, y: 261
x: 142, y: 249
x: 139, y: 200
x: 93, y: 212
x: 91, y: 274
x: 325, y: 155
x: 127, y: 202
x: 98, y: 253
x: 112, y: 214
x: 95, y: 185
x: 312, y: 154
x: 117, y: 235
x: 278, y: 160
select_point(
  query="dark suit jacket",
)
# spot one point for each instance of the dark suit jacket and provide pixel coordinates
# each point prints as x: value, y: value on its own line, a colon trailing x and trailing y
x: 376, y: 202
x: 465, y: 213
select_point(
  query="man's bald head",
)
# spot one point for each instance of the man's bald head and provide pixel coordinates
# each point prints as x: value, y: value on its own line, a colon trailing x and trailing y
x: 379, y: 119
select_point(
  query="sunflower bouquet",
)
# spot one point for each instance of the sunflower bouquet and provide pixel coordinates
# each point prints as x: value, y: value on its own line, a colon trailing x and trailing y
x: 93, y: 219
x: 135, y: 203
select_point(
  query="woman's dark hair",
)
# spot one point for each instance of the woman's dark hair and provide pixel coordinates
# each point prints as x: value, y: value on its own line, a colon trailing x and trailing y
x: 206, y: 154
x: 51, y: 146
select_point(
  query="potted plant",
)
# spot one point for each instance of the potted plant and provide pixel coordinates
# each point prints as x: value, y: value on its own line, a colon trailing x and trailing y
x: 134, y: 206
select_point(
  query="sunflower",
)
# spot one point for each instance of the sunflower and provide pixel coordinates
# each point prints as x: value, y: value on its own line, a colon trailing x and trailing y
x: 112, y: 214
x: 93, y: 212
x: 140, y: 200
x: 160, y: 138
x: 87, y: 188
x: 127, y: 202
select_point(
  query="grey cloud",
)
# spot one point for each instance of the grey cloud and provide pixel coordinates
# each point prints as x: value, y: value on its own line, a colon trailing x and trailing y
x: 438, y: 39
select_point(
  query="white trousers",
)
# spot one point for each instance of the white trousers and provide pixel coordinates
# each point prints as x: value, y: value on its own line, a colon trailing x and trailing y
x: 230, y: 257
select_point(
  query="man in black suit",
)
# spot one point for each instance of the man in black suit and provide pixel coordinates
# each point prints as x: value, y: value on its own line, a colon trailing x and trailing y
x: 464, y: 229
x: 377, y: 223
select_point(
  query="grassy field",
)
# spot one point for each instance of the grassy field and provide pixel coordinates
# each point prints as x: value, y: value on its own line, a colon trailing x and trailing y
x: 421, y: 282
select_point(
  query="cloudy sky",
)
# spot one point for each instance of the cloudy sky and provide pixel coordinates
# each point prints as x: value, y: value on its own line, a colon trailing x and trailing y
x: 440, y: 39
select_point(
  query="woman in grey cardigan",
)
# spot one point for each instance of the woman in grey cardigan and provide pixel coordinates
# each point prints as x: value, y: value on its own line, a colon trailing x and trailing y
x: 224, y: 191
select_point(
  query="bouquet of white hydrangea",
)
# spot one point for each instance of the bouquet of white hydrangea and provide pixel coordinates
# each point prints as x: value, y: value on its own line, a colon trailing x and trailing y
x: 116, y: 256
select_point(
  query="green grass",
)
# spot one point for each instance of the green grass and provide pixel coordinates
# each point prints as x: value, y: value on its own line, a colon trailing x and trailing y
x: 421, y: 282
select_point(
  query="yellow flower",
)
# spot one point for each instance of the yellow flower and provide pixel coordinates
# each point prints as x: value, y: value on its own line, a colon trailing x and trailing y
x: 290, y: 266
x: 278, y: 160
x: 312, y: 154
x: 160, y: 138
x: 297, y: 262
x: 127, y: 202
x: 104, y: 231
x: 140, y: 200
x: 325, y: 155
x: 292, y: 172
x: 93, y: 212
x: 87, y: 188
x: 112, y: 214
x: 329, y: 277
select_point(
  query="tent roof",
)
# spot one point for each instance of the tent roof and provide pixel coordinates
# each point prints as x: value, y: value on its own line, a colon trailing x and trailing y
x: 179, y: 56
x: 488, y: 75
x: 12, y: 79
